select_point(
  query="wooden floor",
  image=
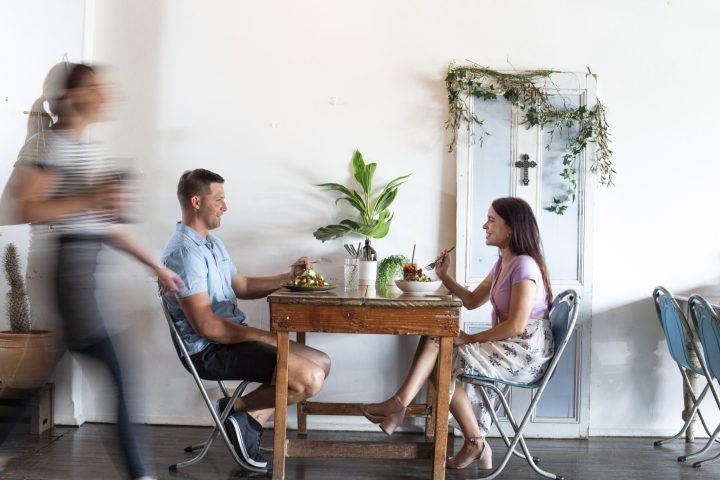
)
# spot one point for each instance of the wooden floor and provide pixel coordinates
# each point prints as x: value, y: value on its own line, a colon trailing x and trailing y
x: 91, y: 453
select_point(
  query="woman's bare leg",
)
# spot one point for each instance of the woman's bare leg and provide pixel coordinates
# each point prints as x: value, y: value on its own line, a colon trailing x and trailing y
x: 461, y: 409
x: 422, y: 366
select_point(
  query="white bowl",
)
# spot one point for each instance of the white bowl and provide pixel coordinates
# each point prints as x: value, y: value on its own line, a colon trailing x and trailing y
x: 409, y: 286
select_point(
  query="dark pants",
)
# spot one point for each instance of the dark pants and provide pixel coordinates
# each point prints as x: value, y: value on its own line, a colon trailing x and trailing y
x: 86, y: 334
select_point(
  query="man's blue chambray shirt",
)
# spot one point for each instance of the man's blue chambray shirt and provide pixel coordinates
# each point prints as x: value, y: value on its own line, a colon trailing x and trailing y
x: 204, y: 266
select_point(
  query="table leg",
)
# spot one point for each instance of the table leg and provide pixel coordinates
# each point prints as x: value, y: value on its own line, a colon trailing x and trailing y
x: 694, y: 383
x: 301, y: 416
x: 430, y: 421
x: 281, y: 386
x: 687, y: 400
x: 442, y: 401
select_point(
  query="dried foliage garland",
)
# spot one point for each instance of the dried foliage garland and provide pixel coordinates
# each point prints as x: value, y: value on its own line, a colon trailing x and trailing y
x: 523, y: 90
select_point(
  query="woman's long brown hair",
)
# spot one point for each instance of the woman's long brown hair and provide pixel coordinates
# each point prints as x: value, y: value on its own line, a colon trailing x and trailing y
x: 525, y: 238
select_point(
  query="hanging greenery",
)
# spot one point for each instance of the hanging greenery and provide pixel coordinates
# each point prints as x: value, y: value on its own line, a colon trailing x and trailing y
x: 522, y: 89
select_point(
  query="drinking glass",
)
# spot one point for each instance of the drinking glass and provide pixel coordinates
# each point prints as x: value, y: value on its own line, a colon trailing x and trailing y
x: 352, y: 274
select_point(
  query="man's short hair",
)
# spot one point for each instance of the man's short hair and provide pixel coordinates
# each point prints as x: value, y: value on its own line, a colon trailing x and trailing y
x: 196, y: 183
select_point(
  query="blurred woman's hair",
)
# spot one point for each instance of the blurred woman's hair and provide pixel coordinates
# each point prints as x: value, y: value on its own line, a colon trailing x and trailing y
x: 77, y: 75
x: 525, y: 237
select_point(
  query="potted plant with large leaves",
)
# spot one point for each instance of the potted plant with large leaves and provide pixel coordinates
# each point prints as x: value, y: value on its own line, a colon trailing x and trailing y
x: 374, y: 216
x: 26, y: 355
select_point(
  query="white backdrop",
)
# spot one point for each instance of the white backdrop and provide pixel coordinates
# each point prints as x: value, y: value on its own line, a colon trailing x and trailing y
x: 275, y: 96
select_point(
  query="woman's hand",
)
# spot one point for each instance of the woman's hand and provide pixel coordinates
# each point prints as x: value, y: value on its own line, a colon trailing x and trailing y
x: 170, y: 282
x: 462, y: 339
x: 441, y: 265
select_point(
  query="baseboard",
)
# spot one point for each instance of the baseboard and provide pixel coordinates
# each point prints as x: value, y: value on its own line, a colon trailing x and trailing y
x: 641, y: 432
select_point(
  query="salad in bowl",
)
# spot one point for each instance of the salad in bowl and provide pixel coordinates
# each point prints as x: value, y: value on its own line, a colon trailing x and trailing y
x: 415, y: 281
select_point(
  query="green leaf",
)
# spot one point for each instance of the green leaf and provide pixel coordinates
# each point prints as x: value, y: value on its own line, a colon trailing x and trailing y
x: 368, y: 176
x: 384, y: 200
x: 331, y: 232
x: 359, y: 170
x: 355, y: 201
x: 376, y: 228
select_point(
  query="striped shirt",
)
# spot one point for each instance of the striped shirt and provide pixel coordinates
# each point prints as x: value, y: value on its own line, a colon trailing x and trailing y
x: 76, y: 166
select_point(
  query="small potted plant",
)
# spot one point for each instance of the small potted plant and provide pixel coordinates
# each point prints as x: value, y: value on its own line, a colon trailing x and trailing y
x: 390, y: 268
x: 375, y: 218
x: 26, y: 355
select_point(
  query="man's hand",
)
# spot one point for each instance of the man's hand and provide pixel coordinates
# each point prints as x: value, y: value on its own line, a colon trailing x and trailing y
x: 299, y: 266
x: 170, y: 282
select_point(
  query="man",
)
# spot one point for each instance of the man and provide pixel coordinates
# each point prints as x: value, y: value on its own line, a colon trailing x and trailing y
x: 206, y: 314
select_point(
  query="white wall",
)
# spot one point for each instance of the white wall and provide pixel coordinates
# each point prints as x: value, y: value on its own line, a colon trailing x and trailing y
x: 276, y: 95
x: 34, y: 36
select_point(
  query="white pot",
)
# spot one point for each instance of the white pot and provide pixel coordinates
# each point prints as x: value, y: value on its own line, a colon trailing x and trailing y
x: 368, y: 272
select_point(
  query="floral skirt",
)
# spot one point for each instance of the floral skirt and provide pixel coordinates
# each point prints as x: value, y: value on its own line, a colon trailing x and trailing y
x: 521, y: 359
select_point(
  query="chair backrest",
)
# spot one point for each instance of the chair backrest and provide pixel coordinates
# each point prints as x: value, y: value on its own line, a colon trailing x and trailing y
x: 177, y: 340
x: 561, y: 312
x: 707, y: 325
x: 563, y: 316
x: 675, y: 327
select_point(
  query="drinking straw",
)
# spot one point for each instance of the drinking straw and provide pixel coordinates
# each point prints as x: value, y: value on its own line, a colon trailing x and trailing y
x: 412, y: 259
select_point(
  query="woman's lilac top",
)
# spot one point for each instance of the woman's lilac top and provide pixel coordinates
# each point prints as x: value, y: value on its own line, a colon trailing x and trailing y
x: 522, y: 267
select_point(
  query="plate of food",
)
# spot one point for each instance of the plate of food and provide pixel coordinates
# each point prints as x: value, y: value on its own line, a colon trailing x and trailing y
x: 309, y: 281
x: 415, y: 281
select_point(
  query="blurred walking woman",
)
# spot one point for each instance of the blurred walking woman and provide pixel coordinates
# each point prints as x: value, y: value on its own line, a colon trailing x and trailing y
x: 66, y: 188
x: 518, y: 346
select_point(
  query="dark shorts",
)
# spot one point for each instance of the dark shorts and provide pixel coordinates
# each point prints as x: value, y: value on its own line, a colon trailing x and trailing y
x: 252, y: 361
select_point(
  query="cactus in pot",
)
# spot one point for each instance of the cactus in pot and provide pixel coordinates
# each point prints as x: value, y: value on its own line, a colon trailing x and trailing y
x: 18, y: 307
x: 26, y: 356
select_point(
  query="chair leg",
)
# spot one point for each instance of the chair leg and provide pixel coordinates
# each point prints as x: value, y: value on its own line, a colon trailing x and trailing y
x: 496, y: 421
x: 192, y: 448
x: 517, y: 439
x: 712, y: 439
x: 218, y: 430
x: 205, y: 447
x: 700, y: 452
x: 695, y: 410
x: 707, y: 460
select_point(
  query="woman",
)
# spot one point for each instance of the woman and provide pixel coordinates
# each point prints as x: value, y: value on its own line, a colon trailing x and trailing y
x: 67, y: 189
x: 518, y: 346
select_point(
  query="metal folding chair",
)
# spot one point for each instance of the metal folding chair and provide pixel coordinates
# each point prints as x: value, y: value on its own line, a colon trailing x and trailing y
x: 678, y: 335
x: 563, y: 316
x: 217, y: 416
x: 707, y: 330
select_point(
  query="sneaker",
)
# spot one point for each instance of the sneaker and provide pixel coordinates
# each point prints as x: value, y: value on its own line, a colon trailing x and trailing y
x: 222, y: 403
x: 254, y: 448
x: 245, y: 438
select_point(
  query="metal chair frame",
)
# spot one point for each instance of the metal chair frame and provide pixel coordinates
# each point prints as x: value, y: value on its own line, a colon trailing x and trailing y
x: 565, y: 305
x: 218, y: 417
x: 677, y: 332
x: 707, y: 333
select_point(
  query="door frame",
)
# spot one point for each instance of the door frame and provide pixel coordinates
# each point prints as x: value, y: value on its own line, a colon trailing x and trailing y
x: 575, y: 83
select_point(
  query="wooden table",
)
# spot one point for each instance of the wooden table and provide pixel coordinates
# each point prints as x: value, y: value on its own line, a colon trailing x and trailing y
x: 364, y: 311
x: 692, y: 376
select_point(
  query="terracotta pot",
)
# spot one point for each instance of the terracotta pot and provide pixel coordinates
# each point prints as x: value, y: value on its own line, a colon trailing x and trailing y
x: 26, y: 359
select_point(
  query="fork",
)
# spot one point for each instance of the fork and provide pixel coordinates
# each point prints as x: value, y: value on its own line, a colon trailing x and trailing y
x: 430, y: 266
x: 314, y: 260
